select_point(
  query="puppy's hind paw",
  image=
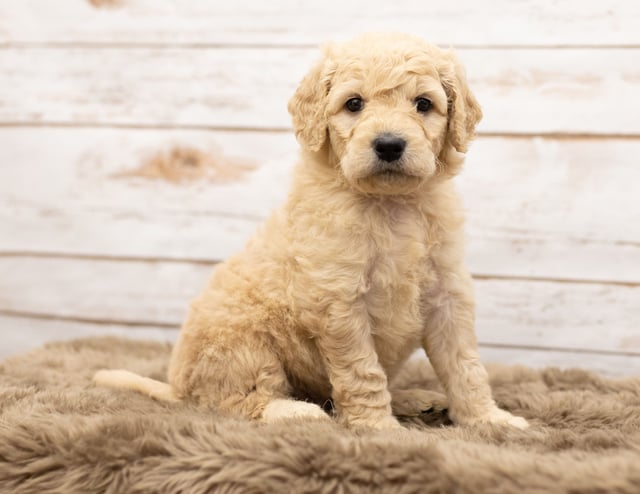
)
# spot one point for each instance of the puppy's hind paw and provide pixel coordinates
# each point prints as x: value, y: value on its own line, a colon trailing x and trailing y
x: 417, y: 402
x: 282, y: 409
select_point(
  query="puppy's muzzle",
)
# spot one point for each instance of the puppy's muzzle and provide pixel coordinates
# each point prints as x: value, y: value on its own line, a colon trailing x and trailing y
x: 388, y: 147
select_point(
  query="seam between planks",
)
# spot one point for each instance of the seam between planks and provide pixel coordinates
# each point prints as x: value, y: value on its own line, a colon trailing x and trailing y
x: 213, y: 262
x: 542, y: 279
x: 154, y: 325
x: 223, y: 128
x: 504, y: 346
x: 54, y: 45
x: 110, y: 258
x: 87, y: 320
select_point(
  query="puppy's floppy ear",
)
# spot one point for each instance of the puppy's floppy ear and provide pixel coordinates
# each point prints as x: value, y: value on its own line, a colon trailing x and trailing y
x: 308, y: 104
x: 464, y: 110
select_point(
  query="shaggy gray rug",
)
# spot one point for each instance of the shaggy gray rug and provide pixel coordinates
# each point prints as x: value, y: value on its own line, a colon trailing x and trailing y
x: 60, y: 433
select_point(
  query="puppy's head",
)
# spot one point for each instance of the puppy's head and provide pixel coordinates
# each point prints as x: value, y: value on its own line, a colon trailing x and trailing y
x: 391, y: 110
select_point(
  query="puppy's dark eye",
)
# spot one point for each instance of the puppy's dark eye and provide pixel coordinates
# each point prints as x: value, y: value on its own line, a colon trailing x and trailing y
x: 354, y: 105
x: 423, y: 105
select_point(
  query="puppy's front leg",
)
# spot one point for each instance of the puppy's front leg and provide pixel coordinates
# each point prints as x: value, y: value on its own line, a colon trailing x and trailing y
x: 451, y: 345
x: 358, y: 380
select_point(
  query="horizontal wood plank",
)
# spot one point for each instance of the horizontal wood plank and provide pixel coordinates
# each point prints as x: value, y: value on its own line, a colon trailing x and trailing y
x: 522, y: 91
x: 21, y: 335
x: 88, y: 247
x: 608, y: 365
x: 541, y: 208
x: 537, y: 315
x: 133, y: 293
x: 287, y: 22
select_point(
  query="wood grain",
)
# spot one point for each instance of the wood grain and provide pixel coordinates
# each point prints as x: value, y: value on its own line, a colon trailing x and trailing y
x: 607, y: 365
x: 87, y: 247
x: 289, y: 22
x: 540, y: 315
x: 522, y: 91
x: 536, y: 208
x: 21, y: 334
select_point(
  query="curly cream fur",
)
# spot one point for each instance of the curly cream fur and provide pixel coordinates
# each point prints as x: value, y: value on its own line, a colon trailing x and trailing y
x: 357, y: 269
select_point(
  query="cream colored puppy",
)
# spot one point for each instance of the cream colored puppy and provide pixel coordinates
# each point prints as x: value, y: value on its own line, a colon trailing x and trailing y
x: 361, y: 266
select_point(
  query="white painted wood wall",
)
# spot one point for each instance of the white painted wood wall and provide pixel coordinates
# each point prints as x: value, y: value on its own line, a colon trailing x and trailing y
x: 552, y: 185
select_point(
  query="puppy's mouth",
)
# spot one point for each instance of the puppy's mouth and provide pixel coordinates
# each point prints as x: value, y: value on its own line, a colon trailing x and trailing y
x: 389, y: 171
x: 390, y: 174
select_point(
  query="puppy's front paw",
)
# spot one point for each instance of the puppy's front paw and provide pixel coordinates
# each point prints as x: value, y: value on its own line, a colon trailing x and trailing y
x: 499, y: 416
x: 386, y: 423
x: 494, y: 416
x: 380, y: 423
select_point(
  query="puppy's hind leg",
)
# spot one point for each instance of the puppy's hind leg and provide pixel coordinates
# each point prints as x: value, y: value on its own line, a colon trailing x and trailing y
x: 249, y: 381
x: 416, y: 402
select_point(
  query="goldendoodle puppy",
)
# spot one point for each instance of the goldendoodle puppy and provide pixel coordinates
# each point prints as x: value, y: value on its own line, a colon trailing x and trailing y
x: 361, y: 266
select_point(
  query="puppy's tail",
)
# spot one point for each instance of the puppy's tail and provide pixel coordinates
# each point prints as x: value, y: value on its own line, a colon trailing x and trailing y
x: 123, y: 379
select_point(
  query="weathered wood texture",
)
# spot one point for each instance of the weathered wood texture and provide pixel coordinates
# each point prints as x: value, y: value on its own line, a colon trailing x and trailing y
x: 562, y: 91
x: 89, y: 246
x: 290, y: 22
x: 137, y: 294
x: 510, y: 312
x: 22, y: 334
x: 543, y: 208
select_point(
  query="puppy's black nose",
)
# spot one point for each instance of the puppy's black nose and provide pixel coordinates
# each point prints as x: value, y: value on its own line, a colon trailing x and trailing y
x: 389, y: 147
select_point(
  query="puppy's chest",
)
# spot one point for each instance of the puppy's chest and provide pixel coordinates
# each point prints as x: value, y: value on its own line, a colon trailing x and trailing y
x: 398, y: 272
